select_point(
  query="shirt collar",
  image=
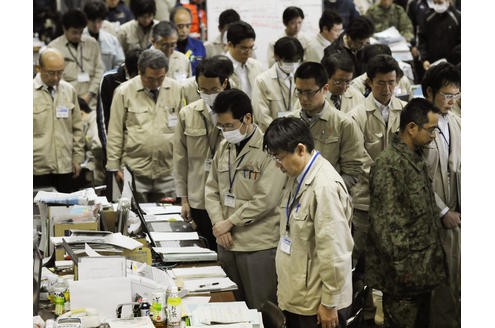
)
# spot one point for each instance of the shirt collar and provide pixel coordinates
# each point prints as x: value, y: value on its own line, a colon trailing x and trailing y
x: 39, y: 84
x: 299, y: 177
x: 281, y: 74
x: 380, y: 105
x: 235, y: 62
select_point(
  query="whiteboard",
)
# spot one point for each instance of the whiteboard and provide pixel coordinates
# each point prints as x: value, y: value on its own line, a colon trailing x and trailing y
x: 265, y: 16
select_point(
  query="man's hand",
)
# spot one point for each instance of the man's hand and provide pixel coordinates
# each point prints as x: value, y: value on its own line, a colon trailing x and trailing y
x: 225, y: 240
x: 119, y: 176
x: 451, y: 219
x: 426, y: 65
x: 222, y: 227
x: 414, y: 52
x: 87, y: 97
x: 76, y: 169
x: 327, y: 317
x: 185, y: 211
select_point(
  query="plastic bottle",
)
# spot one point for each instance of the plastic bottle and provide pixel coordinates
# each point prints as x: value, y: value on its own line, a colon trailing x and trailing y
x: 157, y: 314
x: 173, y: 308
x: 59, y: 296
x: 67, y: 293
x: 145, y: 308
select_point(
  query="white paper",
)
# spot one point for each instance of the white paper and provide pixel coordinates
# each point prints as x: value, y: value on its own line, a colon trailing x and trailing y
x: 116, y: 239
x: 208, y: 284
x: 153, y: 209
x: 182, y: 250
x: 90, y: 251
x: 139, y: 322
x: 163, y: 217
x: 198, y: 272
x: 196, y: 300
x: 165, y: 236
x: 81, y: 197
x: 103, y: 295
x: 389, y: 35
x: 221, y: 312
x: 101, y: 267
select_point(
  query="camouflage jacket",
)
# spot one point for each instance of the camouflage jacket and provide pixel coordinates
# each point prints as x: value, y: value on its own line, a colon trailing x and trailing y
x: 394, y: 16
x: 404, y: 255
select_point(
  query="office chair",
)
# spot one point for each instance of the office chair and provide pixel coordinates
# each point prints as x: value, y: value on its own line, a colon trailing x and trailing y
x: 273, y: 317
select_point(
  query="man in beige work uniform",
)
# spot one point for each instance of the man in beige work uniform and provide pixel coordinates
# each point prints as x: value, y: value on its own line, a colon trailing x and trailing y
x: 83, y: 64
x: 314, y: 254
x: 141, y: 129
x: 196, y: 141
x: 242, y: 193
x: 57, y: 127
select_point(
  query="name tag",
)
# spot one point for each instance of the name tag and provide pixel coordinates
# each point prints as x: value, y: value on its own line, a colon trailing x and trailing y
x: 283, y: 114
x: 82, y: 77
x: 172, y: 120
x: 62, y: 112
x: 229, y: 200
x: 285, y: 244
x: 207, y: 165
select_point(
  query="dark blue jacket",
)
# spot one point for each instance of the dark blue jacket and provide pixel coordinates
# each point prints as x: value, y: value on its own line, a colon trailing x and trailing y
x: 197, y: 52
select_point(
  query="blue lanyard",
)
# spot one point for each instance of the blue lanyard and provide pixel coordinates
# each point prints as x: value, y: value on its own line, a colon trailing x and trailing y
x: 288, y: 209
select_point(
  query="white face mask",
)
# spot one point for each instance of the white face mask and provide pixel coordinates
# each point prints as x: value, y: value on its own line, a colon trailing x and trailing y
x: 234, y: 136
x: 209, y: 99
x: 441, y: 8
x: 289, y: 68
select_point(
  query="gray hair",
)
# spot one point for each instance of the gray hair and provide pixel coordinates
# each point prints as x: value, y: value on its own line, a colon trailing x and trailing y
x: 152, y: 58
x: 162, y: 30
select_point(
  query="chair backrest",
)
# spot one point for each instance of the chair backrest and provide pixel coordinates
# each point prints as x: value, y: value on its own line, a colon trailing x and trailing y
x: 273, y: 317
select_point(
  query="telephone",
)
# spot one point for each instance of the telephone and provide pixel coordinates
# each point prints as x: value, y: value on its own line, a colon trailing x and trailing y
x: 88, y: 317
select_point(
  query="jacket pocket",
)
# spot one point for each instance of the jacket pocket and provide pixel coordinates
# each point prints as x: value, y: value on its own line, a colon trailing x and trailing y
x: 41, y: 117
x: 137, y: 116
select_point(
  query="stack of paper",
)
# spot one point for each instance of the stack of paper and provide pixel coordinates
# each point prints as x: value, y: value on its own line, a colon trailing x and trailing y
x: 186, y: 254
x: 198, y: 272
x: 154, y: 209
x: 116, y: 239
x: 209, y: 284
x: 230, y: 314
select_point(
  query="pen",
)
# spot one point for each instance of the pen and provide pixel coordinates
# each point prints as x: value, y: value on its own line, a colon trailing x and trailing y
x: 297, y: 207
x: 209, y: 285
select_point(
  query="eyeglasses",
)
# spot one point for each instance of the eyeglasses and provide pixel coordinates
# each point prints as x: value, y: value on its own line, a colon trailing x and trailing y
x: 341, y: 82
x: 307, y: 93
x: 166, y: 45
x: 277, y: 158
x: 450, y: 96
x: 209, y: 92
x: 247, y: 49
x: 181, y: 26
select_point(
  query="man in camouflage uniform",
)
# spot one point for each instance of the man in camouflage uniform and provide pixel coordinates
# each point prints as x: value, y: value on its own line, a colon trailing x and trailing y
x: 404, y: 258
x: 385, y: 14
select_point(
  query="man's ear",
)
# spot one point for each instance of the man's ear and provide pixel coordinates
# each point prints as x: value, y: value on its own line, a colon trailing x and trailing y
x: 429, y: 94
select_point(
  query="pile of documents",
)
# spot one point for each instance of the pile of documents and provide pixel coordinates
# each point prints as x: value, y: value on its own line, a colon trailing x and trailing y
x: 398, y: 45
x: 224, y: 314
x: 202, y: 279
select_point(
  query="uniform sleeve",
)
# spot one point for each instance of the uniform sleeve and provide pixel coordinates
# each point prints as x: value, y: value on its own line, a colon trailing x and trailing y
x: 180, y: 161
x: 121, y: 36
x: 351, y: 149
x: 212, y: 192
x: 94, y: 84
x: 385, y: 209
x: 115, y: 140
x: 422, y: 41
x: 267, y: 195
x: 119, y: 53
x: 77, y: 133
x: 261, y: 106
x: 333, y: 241
x: 405, y: 26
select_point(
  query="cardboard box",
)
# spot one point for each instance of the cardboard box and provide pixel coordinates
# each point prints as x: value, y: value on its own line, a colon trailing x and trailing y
x: 60, y: 229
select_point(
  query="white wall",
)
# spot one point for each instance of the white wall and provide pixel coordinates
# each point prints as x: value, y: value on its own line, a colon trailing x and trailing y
x: 265, y: 16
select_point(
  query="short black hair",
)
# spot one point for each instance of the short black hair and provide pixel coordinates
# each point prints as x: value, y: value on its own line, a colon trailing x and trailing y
x: 176, y: 9
x: 226, y: 17
x: 288, y: 48
x: 360, y: 28
x: 336, y: 61
x: 131, y: 61
x: 371, y: 50
x: 142, y: 7
x: 74, y: 18
x: 284, y: 133
x: 235, y: 101
x: 329, y: 18
x: 441, y: 75
x: 383, y: 64
x: 239, y: 31
x: 290, y: 13
x: 217, y: 66
x: 416, y: 111
x: 312, y: 70
x: 163, y: 29
x: 95, y: 9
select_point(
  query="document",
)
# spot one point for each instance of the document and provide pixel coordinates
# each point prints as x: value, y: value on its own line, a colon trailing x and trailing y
x: 198, y: 272
x: 220, y: 313
x: 81, y: 197
x: 103, y: 295
x: 208, y: 284
x: 115, y: 239
x: 154, y: 209
x: 163, y: 218
x: 139, y: 322
x: 101, y: 267
x: 165, y: 236
x: 182, y: 250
